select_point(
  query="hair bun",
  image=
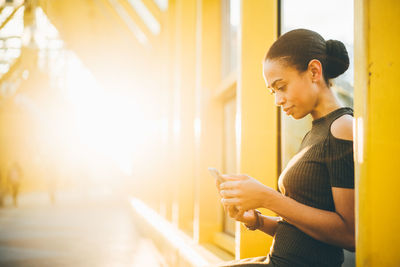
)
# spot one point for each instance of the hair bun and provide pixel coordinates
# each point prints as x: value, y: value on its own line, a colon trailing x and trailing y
x: 337, y: 58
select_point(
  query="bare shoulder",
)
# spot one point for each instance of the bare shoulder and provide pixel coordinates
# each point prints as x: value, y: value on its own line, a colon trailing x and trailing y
x: 342, y: 128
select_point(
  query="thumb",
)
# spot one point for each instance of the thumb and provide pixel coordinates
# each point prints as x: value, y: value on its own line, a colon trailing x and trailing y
x: 239, y: 214
x: 233, y: 177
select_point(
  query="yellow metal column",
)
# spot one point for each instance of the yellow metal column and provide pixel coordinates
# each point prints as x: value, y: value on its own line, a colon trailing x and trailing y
x: 209, y: 120
x: 184, y: 100
x: 377, y: 70
x: 170, y: 181
x: 257, y: 151
x: 162, y: 63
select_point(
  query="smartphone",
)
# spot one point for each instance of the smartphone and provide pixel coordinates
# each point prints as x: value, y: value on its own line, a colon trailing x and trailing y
x: 215, y: 173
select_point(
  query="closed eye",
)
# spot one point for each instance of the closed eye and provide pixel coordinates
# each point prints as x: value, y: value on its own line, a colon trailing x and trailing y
x: 282, y: 88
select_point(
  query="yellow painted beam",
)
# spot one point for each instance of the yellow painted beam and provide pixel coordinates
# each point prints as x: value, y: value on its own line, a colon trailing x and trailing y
x: 168, y: 33
x: 11, y: 16
x: 126, y: 20
x: 377, y: 68
x: 153, y: 8
x: 184, y: 101
x: 95, y: 34
x: 257, y: 154
x: 119, y: 62
x: 137, y: 19
x: 208, y: 144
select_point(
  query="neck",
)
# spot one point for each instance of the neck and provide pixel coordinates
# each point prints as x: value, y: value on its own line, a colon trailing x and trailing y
x: 326, y: 103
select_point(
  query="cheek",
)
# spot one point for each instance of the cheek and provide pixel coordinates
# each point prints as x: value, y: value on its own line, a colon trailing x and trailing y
x: 303, y: 100
x: 296, y: 96
x: 304, y: 95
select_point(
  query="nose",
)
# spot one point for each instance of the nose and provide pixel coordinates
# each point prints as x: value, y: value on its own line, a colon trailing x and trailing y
x: 279, y: 99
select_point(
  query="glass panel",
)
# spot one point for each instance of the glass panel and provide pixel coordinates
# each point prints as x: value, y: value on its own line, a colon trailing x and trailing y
x: 229, y: 153
x: 333, y: 20
x: 230, y: 25
x: 150, y: 21
x: 10, y: 37
x: 162, y: 4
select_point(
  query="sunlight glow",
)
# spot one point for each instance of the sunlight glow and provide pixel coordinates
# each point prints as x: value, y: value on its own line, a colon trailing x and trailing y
x: 102, y: 129
x: 146, y: 16
x: 177, y: 127
x: 183, y: 243
x: 5, y: 13
x: 234, y: 18
x: 47, y: 30
x: 10, y: 37
x: 142, y: 38
x: 197, y: 128
x: 108, y: 122
x: 162, y: 4
x: 238, y: 133
x: 164, y: 130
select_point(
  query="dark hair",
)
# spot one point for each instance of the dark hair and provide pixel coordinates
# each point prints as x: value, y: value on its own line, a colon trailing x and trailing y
x: 298, y: 47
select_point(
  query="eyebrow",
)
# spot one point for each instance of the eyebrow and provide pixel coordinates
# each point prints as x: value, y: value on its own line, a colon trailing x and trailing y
x: 274, y: 82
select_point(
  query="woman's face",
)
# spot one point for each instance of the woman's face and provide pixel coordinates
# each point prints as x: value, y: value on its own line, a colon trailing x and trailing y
x: 295, y: 92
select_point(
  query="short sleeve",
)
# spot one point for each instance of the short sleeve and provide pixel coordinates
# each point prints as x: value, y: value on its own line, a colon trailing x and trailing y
x: 340, y: 162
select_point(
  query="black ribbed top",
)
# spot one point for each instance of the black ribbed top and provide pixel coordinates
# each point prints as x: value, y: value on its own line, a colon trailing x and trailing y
x: 321, y: 163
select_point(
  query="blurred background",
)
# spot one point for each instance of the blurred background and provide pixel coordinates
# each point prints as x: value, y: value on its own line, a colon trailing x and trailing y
x: 78, y: 93
x: 111, y: 111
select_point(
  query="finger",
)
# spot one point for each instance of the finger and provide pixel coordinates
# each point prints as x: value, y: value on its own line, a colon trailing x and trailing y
x: 233, y: 177
x: 231, y: 211
x: 253, y: 212
x: 239, y: 214
x: 237, y: 208
x: 228, y: 185
x: 230, y: 201
x: 229, y: 193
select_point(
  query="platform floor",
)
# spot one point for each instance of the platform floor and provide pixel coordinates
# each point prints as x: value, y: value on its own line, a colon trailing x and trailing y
x: 78, y: 230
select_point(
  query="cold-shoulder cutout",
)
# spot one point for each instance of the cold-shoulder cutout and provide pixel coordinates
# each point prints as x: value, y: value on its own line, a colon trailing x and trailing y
x: 342, y: 128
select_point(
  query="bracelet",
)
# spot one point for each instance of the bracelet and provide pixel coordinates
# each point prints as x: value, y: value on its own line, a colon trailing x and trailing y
x: 259, y: 222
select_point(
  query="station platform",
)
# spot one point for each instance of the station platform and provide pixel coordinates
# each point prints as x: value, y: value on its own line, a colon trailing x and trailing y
x: 95, y: 229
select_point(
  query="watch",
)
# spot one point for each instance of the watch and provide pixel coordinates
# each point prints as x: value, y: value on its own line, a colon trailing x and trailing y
x: 259, y: 222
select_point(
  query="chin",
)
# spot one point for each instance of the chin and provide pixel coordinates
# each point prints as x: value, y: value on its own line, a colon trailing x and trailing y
x: 297, y: 116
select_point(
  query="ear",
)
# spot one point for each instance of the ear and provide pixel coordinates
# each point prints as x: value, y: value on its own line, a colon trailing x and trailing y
x: 315, y: 70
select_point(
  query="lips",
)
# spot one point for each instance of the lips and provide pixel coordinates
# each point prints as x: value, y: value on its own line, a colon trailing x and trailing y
x: 287, y: 109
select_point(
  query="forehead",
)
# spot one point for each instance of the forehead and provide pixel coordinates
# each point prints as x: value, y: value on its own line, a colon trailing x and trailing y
x: 275, y: 70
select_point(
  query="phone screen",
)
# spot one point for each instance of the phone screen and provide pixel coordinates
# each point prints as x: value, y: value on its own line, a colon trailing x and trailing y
x: 215, y: 173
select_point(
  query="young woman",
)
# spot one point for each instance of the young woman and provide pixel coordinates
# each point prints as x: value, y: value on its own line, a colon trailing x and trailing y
x: 315, y: 204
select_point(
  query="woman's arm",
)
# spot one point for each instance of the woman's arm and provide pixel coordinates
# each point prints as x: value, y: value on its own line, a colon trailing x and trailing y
x: 249, y: 218
x: 333, y: 227
x: 270, y: 223
x: 336, y: 228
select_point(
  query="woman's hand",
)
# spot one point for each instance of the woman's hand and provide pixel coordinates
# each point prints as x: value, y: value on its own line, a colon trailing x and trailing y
x: 247, y: 217
x: 244, y: 192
